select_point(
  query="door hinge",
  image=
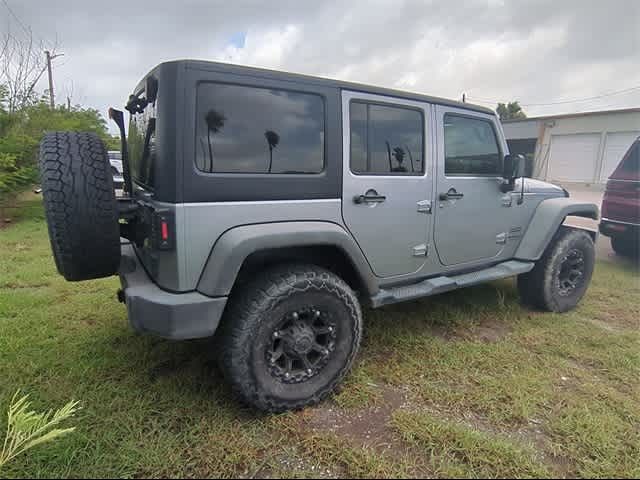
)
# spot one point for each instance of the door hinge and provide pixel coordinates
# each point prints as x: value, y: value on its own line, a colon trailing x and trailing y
x: 501, y: 238
x: 424, y: 206
x: 421, y: 250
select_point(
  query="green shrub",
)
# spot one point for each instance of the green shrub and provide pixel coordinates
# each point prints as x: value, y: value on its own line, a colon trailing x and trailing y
x: 20, y: 135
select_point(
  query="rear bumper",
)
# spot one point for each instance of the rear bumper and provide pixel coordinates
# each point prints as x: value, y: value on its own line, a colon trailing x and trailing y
x: 175, y: 316
x: 612, y: 228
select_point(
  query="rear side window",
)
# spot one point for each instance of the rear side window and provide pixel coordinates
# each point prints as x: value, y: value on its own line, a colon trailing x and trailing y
x: 631, y: 163
x: 243, y: 129
x: 470, y: 147
x: 386, y: 140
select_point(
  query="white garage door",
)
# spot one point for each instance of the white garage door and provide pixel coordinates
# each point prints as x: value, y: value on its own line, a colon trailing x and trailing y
x: 615, y: 148
x: 573, y: 157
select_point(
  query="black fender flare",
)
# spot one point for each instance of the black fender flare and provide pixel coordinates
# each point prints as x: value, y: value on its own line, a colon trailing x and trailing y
x: 548, y: 217
x: 235, y: 245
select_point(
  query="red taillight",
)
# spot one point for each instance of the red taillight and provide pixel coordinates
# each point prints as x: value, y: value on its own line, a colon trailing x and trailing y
x: 164, y: 231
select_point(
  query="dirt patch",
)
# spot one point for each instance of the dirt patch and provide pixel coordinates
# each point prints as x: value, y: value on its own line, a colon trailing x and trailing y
x: 615, y: 320
x: 294, y: 462
x: 534, y: 435
x: 15, y: 286
x: 490, y: 330
x: 366, y: 428
x: 442, y: 331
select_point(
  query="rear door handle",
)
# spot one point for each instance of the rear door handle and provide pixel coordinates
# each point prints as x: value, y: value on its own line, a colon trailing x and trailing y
x: 452, y: 194
x: 369, y: 198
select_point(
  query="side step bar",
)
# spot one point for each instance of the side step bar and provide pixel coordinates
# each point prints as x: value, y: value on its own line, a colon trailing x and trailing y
x: 433, y: 286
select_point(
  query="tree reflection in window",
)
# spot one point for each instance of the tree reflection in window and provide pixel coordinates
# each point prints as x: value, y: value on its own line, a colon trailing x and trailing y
x: 386, y: 139
x: 242, y: 129
x: 399, y: 154
x: 272, y: 139
x: 215, y: 121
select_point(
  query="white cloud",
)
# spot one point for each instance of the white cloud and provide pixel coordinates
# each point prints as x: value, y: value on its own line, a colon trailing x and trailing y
x: 263, y: 48
x: 534, y: 51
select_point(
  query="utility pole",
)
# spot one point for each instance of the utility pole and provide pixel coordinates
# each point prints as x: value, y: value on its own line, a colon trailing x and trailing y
x: 464, y: 98
x: 51, y: 95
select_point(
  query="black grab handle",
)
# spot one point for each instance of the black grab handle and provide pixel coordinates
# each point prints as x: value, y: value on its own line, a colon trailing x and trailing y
x: 369, y: 199
x: 451, y: 194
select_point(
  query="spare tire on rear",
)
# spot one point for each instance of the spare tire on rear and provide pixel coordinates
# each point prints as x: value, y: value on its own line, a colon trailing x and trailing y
x: 80, y: 205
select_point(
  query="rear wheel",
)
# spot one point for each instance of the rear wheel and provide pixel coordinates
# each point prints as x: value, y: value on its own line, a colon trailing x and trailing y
x: 290, y: 337
x: 561, y: 277
x: 80, y: 205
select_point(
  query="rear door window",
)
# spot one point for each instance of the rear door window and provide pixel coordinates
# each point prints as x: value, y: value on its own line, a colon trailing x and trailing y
x: 386, y: 139
x: 242, y: 129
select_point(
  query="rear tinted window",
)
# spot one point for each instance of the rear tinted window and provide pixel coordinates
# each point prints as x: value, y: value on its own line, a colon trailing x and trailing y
x: 470, y: 147
x: 631, y: 162
x: 243, y: 129
x: 141, y: 143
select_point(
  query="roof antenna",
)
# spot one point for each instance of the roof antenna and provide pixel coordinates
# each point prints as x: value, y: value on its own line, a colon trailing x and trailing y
x: 521, y: 171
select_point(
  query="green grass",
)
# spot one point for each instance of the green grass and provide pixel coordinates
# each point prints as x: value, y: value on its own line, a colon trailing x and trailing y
x: 460, y: 451
x: 487, y: 387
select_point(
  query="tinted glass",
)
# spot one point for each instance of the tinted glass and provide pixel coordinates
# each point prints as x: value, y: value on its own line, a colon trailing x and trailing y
x: 141, y: 142
x: 470, y: 147
x: 258, y: 130
x: 386, y: 140
x: 631, y: 163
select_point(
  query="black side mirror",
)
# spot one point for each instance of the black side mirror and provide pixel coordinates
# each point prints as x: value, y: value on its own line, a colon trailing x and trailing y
x: 512, y: 168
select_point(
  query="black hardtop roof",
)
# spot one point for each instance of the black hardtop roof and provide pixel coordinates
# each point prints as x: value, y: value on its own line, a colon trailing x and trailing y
x: 296, y: 77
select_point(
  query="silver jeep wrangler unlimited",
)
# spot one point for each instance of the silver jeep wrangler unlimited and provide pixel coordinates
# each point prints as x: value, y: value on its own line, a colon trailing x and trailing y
x: 266, y: 207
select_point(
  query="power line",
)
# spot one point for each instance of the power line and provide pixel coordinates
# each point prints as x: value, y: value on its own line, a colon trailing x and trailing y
x: 560, y: 102
x: 28, y: 31
x: 34, y: 57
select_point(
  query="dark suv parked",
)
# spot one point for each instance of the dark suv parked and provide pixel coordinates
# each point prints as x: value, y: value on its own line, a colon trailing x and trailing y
x: 621, y: 204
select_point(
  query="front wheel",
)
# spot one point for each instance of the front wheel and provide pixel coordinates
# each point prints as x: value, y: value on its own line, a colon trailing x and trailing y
x: 561, y: 277
x: 289, y: 337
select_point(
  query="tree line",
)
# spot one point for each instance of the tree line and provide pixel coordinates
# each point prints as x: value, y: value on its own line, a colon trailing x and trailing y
x: 25, y: 115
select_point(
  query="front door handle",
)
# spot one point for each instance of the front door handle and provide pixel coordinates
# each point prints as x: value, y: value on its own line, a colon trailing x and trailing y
x: 452, y: 194
x: 369, y: 197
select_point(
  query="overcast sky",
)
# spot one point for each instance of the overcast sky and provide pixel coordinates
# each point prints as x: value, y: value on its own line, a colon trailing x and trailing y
x: 537, y: 52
